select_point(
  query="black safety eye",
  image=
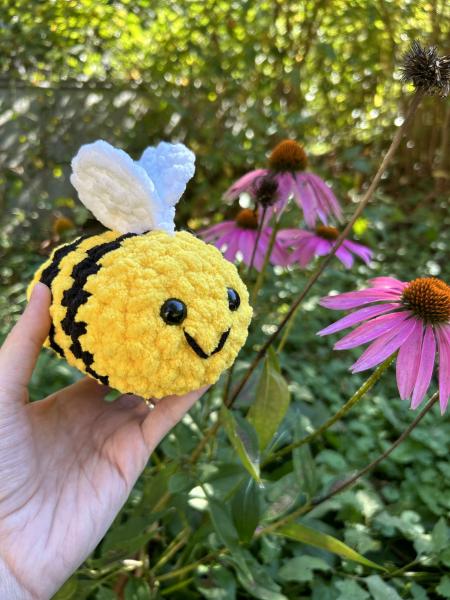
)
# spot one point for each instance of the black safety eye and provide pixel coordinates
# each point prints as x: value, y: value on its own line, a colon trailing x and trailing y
x: 233, y: 299
x: 173, y: 311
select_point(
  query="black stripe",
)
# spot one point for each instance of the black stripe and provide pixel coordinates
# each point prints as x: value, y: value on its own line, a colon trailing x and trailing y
x: 48, y: 275
x: 74, y: 297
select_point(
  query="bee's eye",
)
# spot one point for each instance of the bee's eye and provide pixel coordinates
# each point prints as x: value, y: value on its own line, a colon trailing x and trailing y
x: 233, y: 299
x: 173, y: 311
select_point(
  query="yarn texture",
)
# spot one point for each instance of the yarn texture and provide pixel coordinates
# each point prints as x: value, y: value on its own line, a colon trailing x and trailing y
x: 107, y: 294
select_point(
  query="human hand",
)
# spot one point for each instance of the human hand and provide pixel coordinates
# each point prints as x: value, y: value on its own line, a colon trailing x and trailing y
x: 67, y: 462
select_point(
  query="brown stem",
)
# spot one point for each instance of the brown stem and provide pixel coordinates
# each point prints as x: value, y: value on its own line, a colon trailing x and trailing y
x: 382, y: 456
x: 327, y: 259
x: 258, y: 236
x: 309, y: 506
x: 262, y: 273
x: 360, y: 393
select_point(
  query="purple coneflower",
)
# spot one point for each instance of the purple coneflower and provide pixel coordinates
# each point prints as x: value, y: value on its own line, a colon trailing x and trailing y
x: 411, y: 317
x: 287, y: 165
x: 306, y: 245
x: 240, y: 236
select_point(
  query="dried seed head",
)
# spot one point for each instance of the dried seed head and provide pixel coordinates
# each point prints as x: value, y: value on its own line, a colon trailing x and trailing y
x: 426, y: 70
x: 265, y: 191
x: 428, y: 298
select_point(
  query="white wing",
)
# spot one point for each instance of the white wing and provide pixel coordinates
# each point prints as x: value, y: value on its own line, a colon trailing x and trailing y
x: 169, y: 166
x: 119, y: 191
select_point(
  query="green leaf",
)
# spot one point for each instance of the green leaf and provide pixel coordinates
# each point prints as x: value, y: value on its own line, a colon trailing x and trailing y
x: 243, y: 438
x: 253, y: 577
x: 272, y: 401
x: 246, y: 509
x: 301, y: 568
x: 418, y: 592
x: 219, y: 584
x: 137, y: 589
x: 443, y: 589
x: 105, y: 593
x: 301, y: 533
x: 223, y: 524
x: 350, y: 590
x: 304, y: 464
x: 128, y: 537
x: 380, y: 590
x: 439, y: 535
x: 68, y: 591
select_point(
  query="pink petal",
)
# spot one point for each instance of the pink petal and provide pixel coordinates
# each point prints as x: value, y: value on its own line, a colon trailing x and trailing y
x: 305, y: 197
x: 443, y: 338
x: 279, y: 256
x: 388, y: 282
x: 345, y: 257
x: 323, y: 247
x: 383, y: 347
x: 358, y: 298
x: 246, y: 245
x: 328, y: 194
x: 426, y: 367
x: 356, y: 317
x: 323, y: 210
x: 305, y: 251
x: 288, y: 237
x: 232, y: 246
x: 408, y: 361
x: 362, y: 251
x: 371, y: 330
x: 285, y: 183
x: 243, y: 184
x: 216, y: 230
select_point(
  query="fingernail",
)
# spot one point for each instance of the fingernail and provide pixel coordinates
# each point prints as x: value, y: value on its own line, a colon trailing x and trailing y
x: 39, y: 291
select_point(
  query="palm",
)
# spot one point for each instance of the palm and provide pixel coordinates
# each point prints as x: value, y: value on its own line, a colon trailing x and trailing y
x: 68, y: 463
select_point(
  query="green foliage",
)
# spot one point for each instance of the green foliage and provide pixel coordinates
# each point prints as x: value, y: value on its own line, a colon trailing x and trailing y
x: 231, y: 79
x: 271, y: 402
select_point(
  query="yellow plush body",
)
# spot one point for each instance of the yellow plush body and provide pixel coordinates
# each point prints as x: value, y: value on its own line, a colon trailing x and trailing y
x: 107, y: 294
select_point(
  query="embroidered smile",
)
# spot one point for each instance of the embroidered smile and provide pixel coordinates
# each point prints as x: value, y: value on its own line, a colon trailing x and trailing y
x: 199, y: 351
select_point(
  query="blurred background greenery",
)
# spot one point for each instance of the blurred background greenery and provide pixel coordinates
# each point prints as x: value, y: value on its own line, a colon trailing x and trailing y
x: 231, y: 79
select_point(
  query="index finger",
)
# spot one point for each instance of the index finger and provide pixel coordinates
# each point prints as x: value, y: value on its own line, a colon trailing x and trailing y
x: 20, y: 351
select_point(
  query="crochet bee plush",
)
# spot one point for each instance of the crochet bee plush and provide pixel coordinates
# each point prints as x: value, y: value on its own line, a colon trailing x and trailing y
x: 140, y: 307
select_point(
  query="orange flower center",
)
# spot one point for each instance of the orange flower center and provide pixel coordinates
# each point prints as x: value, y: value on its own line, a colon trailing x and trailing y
x: 247, y: 219
x: 328, y: 233
x: 288, y: 156
x: 428, y: 298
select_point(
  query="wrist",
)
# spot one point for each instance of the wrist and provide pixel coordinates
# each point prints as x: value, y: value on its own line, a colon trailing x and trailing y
x: 10, y: 586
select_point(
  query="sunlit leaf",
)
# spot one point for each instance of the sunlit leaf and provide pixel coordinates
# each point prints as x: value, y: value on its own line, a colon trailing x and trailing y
x: 243, y: 439
x: 271, y: 402
x: 315, y: 538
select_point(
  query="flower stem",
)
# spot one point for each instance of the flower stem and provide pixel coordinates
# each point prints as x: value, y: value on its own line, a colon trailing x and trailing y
x: 360, y: 393
x: 327, y: 259
x: 309, y: 506
x: 262, y: 273
x: 258, y: 236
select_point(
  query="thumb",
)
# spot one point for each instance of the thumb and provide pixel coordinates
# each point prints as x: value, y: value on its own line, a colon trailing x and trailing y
x: 20, y: 351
